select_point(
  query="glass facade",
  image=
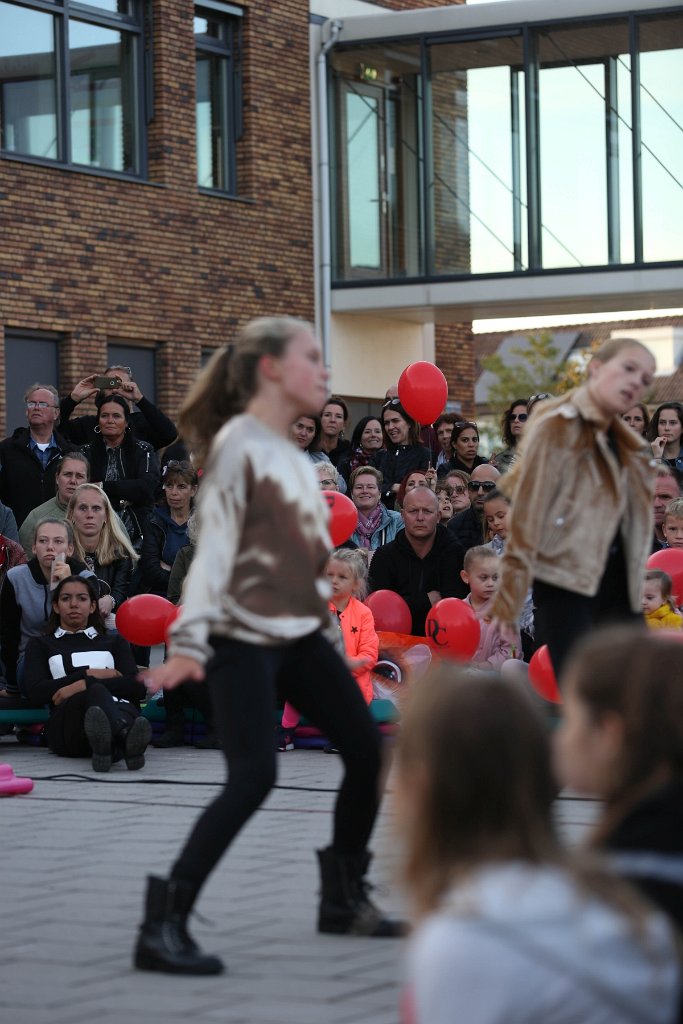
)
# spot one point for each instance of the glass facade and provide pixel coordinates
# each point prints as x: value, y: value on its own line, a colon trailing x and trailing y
x: 218, y: 99
x: 70, y: 86
x: 534, y: 148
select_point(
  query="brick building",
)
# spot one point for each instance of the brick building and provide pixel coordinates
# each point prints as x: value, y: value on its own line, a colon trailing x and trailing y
x: 155, y: 186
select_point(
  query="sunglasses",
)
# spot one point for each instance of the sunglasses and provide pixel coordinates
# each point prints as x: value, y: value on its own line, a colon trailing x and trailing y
x: 482, y: 485
x: 521, y: 416
x: 465, y: 423
x: 538, y: 398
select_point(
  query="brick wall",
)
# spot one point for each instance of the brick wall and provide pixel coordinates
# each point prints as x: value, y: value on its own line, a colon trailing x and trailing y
x: 156, y: 263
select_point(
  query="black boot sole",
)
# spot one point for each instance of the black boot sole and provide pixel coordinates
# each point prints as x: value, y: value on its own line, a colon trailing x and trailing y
x: 98, y: 730
x: 137, y: 739
x: 148, y: 960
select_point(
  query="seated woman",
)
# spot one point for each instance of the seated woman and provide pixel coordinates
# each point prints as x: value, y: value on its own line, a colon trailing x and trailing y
x: 305, y: 433
x: 412, y: 480
x: 89, y: 679
x: 366, y: 441
x: 465, y: 445
x: 377, y: 525
x: 125, y: 468
x: 638, y: 418
x: 101, y: 541
x: 665, y: 434
x: 509, y: 927
x: 166, y: 530
x: 512, y: 428
x: 25, y: 598
x: 403, y: 451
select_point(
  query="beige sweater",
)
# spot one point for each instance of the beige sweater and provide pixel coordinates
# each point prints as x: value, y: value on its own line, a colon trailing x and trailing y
x: 258, y: 570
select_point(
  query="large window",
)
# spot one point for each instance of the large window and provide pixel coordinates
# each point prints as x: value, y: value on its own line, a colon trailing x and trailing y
x: 70, y: 83
x: 28, y: 358
x: 218, y: 31
x: 529, y: 148
x: 142, y: 363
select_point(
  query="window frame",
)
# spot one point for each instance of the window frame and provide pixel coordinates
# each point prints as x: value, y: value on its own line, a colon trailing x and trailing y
x: 230, y: 50
x: 137, y: 24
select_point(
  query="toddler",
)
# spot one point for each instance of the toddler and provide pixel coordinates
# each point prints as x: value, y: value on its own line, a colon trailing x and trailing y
x: 446, y: 511
x: 658, y: 606
x: 672, y: 527
x: 347, y: 572
x: 480, y: 573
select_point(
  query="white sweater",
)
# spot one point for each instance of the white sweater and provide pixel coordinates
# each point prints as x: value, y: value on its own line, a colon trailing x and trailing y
x: 518, y: 944
x: 258, y: 570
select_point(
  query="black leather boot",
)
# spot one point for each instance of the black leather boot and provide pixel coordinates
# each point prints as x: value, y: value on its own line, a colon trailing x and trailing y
x: 98, y: 730
x: 174, y: 733
x: 345, y: 906
x: 164, y: 943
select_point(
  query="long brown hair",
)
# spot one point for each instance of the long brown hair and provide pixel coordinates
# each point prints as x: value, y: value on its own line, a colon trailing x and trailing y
x: 230, y: 379
x: 483, y: 754
x: 638, y: 676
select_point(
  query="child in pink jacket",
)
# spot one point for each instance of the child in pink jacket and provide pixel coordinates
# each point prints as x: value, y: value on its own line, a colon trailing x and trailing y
x: 480, y: 573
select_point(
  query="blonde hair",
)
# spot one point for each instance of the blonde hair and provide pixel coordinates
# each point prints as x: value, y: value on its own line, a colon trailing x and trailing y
x: 674, y: 509
x: 113, y: 542
x: 478, y: 554
x: 613, y: 346
x: 357, y: 561
x: 665, y: 585
x: 230, y: 379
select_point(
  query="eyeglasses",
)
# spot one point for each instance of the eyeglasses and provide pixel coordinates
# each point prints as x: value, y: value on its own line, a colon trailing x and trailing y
x: 40, y: 405
x: 458, y: 489
x: 326, y: 482
x: 482, y: 485
x: 521, y: 416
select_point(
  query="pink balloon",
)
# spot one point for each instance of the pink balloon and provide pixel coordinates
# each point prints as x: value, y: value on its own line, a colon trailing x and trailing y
x: 453, y: 628
x: 423, y: 391
x: 670, y: 560
x: 390, y: 612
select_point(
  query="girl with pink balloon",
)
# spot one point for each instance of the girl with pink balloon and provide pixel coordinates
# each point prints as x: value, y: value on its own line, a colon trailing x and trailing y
x: 253, y: 624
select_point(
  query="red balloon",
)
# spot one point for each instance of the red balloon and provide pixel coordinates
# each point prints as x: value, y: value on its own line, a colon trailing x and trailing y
x: 542, y: 675
x: 390, y: 612
x: 670, y: 560
x: 143, y: 619
x: 453, y: 628
x: 343, y: 516
x: 423, y: 391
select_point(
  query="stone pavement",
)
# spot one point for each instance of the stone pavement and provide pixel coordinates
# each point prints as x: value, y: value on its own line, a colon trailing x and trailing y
x: 74, y: 856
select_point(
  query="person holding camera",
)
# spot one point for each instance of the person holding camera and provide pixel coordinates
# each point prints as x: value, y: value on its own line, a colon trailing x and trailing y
x: 146, y: 421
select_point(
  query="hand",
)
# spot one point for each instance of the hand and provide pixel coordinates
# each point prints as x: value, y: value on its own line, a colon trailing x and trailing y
x: 106, y: 604
x: 130, y: 390
x: 355, y: 663
x: 658, y: 447
x: 434, y: 596
x: 64, y: 692
x: 84, y: 389
x: 178, y: 669
x: 60, y: 570
x: 430, y: 476
x: 103, y: 673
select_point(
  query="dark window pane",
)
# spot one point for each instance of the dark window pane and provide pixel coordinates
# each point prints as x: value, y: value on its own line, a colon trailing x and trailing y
x: 27, y: 360
x: 102, y: 107
x: 213, y: 122
x: 142, y: 362
x: 28, y: 104
x: 116, y: 6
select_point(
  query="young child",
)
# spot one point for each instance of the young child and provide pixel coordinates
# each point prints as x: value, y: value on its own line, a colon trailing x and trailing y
x: 507, y: 928
x: 622, y: 741
x: 672, y: 527
x: 496, y: 516
x: 347, y: 571
x: 480, y: 573
x: 252, y: 623
x: 658, y: 606
x: 443, y: 493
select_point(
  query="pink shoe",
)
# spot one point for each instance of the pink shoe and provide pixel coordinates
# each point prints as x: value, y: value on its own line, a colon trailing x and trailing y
x: 10, y: 785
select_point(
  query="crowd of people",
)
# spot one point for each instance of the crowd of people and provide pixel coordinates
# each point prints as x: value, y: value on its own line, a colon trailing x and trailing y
x: 545, y: 539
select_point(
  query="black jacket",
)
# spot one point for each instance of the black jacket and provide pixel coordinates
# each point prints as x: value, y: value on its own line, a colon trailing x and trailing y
x: 24, y: 484
x: 395, y: 463
x: 467, y: 528
x: 154, y: 579
x: 132, y: 496
x: 647, y: 846
x: 114, y: 579
x: 40, y: 685
x: 395, y: 566
x: 455, y: 463
x: 147, y: 424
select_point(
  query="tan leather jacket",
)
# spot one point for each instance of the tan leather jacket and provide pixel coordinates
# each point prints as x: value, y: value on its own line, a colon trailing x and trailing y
x: 570, y: 495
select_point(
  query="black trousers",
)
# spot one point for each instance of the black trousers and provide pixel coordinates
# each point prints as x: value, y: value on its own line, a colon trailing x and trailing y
x: 243, y: 680
x: 65, y: 733
x: 562, y: 617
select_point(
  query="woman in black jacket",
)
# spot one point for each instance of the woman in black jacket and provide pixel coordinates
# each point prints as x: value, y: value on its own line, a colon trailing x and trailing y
x: 404, y: 452
x: 101, y: 541
x: 166, y: 530
x: 125, y: 468
x: 89, y: 679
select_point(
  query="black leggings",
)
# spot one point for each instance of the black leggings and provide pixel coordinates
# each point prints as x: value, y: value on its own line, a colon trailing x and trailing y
x: 65, y: 733
x: 243, y: 680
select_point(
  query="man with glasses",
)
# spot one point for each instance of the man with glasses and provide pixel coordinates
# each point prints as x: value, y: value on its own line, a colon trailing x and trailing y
x: 147, y: 422
x: 29, y: 458
x: 423, y: 563
x: 468, y: 526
